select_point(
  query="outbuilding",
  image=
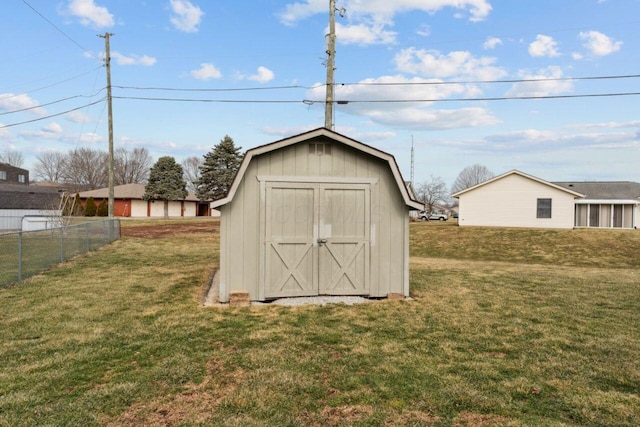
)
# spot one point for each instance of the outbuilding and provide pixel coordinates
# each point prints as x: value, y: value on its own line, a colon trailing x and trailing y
x: 315, y: 214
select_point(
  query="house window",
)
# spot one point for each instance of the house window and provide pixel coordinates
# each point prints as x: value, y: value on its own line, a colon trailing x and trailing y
x: 3, y: 175
x: 544, y: 208
x: 21, y: 179
x: 320, y: 149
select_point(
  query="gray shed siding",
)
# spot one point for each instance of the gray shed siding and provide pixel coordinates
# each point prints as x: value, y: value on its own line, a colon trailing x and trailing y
x: 241, y: 258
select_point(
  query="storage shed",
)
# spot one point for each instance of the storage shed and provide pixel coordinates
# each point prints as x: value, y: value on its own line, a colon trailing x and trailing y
x: 315, y: 214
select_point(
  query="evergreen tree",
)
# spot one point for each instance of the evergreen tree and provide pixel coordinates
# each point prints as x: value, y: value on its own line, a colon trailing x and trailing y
x: 103, y: 208
x: 90, y: 207
x: 165, y: 183
x: 219, y: 169
x: 78, y: 209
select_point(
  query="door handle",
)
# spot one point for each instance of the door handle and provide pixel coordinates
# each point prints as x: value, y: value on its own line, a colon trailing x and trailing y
x: 322, y: 240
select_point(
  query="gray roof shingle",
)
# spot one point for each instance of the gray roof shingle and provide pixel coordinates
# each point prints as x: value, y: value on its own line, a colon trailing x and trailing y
x: 610, y: 190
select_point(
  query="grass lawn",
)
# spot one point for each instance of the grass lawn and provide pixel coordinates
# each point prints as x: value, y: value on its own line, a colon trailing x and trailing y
x: 506, y: 327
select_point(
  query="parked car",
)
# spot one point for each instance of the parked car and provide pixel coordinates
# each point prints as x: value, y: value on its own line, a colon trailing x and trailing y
x: 433, y: 216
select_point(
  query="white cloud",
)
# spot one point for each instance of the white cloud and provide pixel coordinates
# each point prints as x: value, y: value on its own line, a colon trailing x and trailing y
x: 607, y: 125
x: 542, y: 87
x: 186, y: 17
x: 399, y: 112
x: 206, y: 72
x: 491, y: 43
x: 263, y: 75
x: 133, y: 59
x: 599, y: 44
x: 454, y: 64
x: 364, y: 34
x: 53, y: 128
x: 527, y: 140
x: 431, y: 119
x: 372, y: 13
x: 12, y: 102
x: 77, y: 117
x: 424, y: 30
x: 544, y: 46
x: 294, y: 12
x: 90, y: 14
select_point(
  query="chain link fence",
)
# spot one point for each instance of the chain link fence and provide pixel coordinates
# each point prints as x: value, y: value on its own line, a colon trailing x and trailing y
x: 27, y: 253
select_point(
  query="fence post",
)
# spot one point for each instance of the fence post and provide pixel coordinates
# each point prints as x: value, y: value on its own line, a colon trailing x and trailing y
x: 20, y: 256
x: 61, y: 245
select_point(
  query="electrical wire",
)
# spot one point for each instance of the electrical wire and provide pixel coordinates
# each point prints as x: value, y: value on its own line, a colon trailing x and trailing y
x: 549, y: 79
x: 60, y: 31
x: 232, y: 101
x: 58, y: 82
x: 376, y: 101
x: 47, y: 104
x: 263, y: 88
x: 52, y: 115
x: 220, y: 90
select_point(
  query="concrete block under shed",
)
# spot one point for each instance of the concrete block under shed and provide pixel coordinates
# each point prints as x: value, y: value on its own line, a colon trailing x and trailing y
x: 239, y: 298
x: 395, y: 296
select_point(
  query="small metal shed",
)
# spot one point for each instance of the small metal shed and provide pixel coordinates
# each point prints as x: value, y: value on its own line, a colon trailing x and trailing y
x: 315, y: 214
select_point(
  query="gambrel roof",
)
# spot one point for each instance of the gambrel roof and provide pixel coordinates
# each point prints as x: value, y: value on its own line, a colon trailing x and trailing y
x: 333, y: 136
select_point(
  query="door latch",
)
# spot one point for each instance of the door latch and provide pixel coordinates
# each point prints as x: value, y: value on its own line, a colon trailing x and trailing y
x: 322, y: 240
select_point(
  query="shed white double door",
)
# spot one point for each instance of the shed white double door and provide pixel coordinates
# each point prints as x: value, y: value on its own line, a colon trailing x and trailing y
x: 316, y: 239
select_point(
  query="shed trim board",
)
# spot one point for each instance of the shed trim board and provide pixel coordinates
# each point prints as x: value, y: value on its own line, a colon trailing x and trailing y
x: 304, y: 253
x: 304, y: 221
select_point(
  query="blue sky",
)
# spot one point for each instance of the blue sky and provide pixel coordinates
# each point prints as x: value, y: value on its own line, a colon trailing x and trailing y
x: 431, y: 51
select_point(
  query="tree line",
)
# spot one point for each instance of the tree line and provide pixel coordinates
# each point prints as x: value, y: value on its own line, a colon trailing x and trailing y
x: 84, y: 169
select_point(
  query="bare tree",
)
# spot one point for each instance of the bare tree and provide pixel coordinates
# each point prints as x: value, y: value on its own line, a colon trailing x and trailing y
x: 14, y: 158
x: 191, y: 168
x: 50, y: 166
x: 86, y: 169
x: 431, y: 193
x: 131, y: 167
x: 470, y: 176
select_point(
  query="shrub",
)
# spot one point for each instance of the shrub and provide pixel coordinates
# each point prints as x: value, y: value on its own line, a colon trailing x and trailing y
x: 78, y: 209
x: 103, y: 208
x: 90, y: 207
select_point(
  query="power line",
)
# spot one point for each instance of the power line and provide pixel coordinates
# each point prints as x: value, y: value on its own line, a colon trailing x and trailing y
x: 233, y: 101
x: 52, y: 115
x: 220, y: 90
x: 60, y: 82
x: 59, y: 30
x: 376, y: 101
x: 47, y: 104
x: 547, y: 79
x: 430, y: 83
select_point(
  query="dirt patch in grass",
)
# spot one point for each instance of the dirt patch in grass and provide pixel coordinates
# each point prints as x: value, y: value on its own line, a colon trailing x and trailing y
x: 162, y: 230
x: 471, y: 419
x: 196, y: 404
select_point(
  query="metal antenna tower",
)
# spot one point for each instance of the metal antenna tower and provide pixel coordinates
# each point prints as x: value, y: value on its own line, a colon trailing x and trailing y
x: 412, y: 163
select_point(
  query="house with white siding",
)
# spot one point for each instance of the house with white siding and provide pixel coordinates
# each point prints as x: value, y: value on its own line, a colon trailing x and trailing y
x: 516, y: 199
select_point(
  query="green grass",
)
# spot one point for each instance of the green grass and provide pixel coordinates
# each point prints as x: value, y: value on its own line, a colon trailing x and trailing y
x: 118, y: 338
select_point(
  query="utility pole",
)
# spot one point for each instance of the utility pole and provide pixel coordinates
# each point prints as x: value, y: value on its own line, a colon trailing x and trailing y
x: 331, y: 54
x: 107, y: 62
